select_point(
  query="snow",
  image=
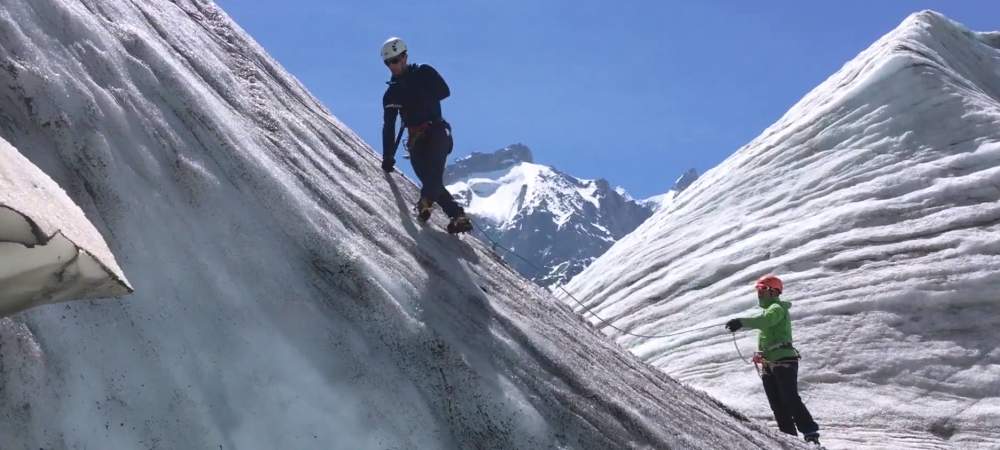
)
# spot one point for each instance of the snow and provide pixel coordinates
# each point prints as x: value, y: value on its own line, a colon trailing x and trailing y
x: 658, y: 202
x: 500, y: 195
x: 663, y: 200
x: 876, y: 199
x: 588, y: 192
x: 287, y: 298
x: 49, y: 251
x: 497, y: 195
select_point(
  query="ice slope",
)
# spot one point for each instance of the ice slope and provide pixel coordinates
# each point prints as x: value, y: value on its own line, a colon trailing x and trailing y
x: 287, y: 298
x: 49, y: 251
x: 556, y: 221
x: 876, y: 198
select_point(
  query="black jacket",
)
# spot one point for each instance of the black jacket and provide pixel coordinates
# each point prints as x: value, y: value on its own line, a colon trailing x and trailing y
x: 416, y: 96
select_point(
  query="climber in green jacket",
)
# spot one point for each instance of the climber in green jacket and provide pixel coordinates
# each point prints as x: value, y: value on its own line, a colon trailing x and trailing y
x: 780, y: 359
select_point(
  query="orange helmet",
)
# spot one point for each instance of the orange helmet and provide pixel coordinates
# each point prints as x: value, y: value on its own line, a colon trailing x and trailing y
x: 770, y: 282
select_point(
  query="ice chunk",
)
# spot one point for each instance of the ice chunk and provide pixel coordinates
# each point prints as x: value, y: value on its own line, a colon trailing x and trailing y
x: 49, y: 251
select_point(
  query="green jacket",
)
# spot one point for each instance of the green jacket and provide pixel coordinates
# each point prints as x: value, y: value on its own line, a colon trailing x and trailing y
x: 775, y: 325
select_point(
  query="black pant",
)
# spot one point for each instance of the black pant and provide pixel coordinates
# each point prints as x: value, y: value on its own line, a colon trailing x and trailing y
x: 428, y: 155
x: 781, y: 384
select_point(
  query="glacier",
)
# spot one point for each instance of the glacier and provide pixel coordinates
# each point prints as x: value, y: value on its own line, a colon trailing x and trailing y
x: 286, y: 298
x: 877, y: 199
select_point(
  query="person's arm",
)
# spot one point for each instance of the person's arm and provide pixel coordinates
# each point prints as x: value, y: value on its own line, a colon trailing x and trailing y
x: 435, y: 83
x: 389, y: 144
x: 770, y: 317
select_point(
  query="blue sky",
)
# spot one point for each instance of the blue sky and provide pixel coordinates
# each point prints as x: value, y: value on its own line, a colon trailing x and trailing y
x: 633, y: 92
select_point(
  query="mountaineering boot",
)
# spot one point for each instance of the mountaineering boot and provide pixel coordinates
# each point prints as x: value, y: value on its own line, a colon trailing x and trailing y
x: 424, y: 208
x: 812, y: 438
x: 460, y: 224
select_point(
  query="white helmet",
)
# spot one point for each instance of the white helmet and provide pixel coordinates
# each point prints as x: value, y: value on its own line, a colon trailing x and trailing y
x: 394, y: 46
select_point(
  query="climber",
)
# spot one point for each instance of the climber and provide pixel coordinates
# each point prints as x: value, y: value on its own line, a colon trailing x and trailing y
x: 415, y: 93
x: 779, y: 358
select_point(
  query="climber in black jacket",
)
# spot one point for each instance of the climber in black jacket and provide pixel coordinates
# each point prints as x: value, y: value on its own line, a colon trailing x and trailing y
x: 415, y: 93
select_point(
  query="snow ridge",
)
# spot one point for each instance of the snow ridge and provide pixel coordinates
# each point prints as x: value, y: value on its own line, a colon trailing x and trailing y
x: 876, y: 198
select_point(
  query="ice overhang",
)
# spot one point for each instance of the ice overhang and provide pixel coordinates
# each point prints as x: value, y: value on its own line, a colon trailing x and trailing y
x: 49, y: 251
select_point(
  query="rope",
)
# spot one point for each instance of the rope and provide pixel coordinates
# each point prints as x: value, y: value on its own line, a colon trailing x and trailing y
x: 587, y: 309
x: 738, y: 352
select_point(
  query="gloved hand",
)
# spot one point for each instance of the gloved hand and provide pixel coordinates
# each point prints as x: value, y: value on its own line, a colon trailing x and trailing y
x: 387, y: 166
x: 734, y: 325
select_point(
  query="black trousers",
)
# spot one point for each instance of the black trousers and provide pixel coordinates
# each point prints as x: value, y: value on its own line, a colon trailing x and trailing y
x: 781, y: 384
x: 428, y: 155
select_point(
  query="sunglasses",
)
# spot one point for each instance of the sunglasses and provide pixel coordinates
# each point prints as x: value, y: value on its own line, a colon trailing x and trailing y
x: 395, y: 59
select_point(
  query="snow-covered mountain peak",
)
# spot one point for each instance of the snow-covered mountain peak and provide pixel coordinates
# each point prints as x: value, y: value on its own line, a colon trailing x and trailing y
x: 499, y: 186
x: 875, y: 198
x: 479, y: 163
x: 991, y: 38
x: 682, y: 182
x: 561, y: 222
x: 499, y: 194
